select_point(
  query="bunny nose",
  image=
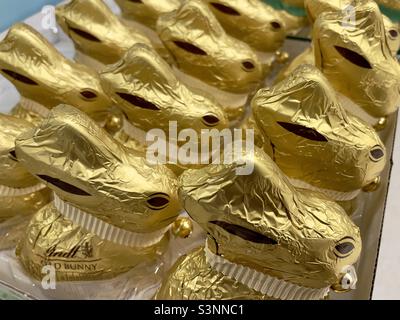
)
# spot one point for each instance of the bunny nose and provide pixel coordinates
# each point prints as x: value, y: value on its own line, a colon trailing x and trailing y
x: 248, y: 65
x: 210, y: 120
x: 347, y: 281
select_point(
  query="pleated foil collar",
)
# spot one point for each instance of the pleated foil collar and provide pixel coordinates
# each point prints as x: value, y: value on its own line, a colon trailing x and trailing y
x: 6, y: 191
x: 261, y: 282
x: 107, y: 231
x: 33, y: 106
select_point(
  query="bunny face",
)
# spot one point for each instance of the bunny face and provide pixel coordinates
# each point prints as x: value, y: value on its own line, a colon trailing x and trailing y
x: 312, y: 138
x: 89, y: 169
x: 40, y: 73
x: 359, y: 64
x: 147, y: 11
x: 144, y: 86
x: 258, y: 24
x: 96, y: 30
x: 13, y: 174
x: 203, y: 50
x: 316, y: 7
x: 262, y: 222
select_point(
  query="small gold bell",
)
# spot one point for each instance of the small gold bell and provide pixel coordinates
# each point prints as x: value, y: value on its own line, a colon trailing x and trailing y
x: 182, y: 227
x: 282, y: 56
x: 113, y: 123
x: 373, y: 186
x: 381, y: 124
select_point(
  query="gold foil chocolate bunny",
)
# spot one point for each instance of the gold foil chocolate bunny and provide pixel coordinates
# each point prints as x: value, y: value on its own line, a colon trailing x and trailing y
x: 45, y: 78
x: 111, y: 209
x: 251, y: 21
x: 357, y: 61
x: 266, y: 240
x: 209, y: 59
x: 144, y: 86
x: 316, y: 7
x: 314, y: 141
x: 21, y: 194
x: 99, y: 36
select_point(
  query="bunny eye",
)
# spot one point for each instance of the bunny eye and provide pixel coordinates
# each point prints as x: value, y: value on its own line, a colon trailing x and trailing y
x: 64, y: 186
x: 276, y: 25
x: 188, y: 47
x: 393, y: 33
x: 244, y: 233
x: 19, y: 77
x: 210, y: 120
x: 344, y: 248
x: 88, y: 94
x: 12, y: 155
x: 138, y: 101
x: 136, y: 1
x: 225, y: 9
x: 304, y: 132
x: 353, y: 57
x: 158, y: 201
x: 248, y: 65
x: 377, y: 153
x: 84, y: 34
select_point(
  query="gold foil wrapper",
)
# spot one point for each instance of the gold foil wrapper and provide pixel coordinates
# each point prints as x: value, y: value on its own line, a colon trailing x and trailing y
x: 147, y: 12
x: 94, y: 173
x: 261, y: 222
x: 316, y: 7
x: 41, y: 74
x: 202, y: 49
x: 144, y: 86
x: 18, y: 192
x: 96, y: 31
x: 253, y: 22
x: 312, y: 138
x: 356, y: 59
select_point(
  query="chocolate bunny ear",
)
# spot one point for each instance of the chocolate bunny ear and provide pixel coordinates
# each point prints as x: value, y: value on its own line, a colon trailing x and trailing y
x: 96, y: 30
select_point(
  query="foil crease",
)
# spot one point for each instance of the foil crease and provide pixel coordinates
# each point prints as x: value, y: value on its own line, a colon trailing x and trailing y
x: 93, y: 172
x: 357, y: 60
x: 312, y: 138
x: 96, y: 31
x: 147, y: 11
x: 40, y: 73
x: 202, y: 49
x: 262, y: 222
x: 254, y: 22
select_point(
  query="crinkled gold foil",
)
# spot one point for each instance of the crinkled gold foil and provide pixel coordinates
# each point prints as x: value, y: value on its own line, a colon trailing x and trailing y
x: 147, y: 11
x: 253, y: 22
x: 14, y: 176
x: 90, y: 170
x: 312, y: 138
x: 202, y: 49
x: 97, y: 31
x: 357, y: 59
x: 316, y: 7
x: 262, y: 222
x: 40, y: 73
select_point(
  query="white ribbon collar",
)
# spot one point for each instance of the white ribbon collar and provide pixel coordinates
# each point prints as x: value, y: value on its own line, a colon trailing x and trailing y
x: 105, y: 230
x: 33, y: 106
x: 6, y: 191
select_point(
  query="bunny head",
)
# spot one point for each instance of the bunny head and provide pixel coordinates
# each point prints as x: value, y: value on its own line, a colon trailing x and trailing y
x: 252, y: 21
x: 261, y: 222
x: 86, y: 167
x: 20, y: 192
x: 356, y: 59
x: 41, y: 74
x: 144, y: 86
x: 203, y: 50
x: 316, y: 7
x: 312, y: 138
x: 147, y: 11
x: 96, y: 31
